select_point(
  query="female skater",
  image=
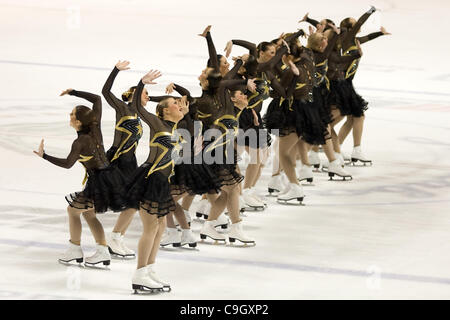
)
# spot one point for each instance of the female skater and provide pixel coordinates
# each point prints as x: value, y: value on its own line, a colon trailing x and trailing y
x: 217, y: 111
x: 104, y: 188
x: 321, y: 48
x: 343, y: 94
x: 122, y: 154
x: 149, y: 190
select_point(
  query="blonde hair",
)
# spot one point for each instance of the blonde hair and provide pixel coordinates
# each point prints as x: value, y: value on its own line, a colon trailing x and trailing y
x: 160, y: 107
x: 314, y: 41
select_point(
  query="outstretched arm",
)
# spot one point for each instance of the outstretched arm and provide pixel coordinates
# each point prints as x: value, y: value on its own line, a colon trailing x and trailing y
x: 95, y: 99
x: 66, y: 163
x: 352, y: 33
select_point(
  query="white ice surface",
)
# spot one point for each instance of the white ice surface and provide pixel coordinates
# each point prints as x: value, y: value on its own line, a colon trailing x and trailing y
x: 385, y: 235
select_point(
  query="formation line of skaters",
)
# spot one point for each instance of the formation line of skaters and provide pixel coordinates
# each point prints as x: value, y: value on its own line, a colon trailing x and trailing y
x: 195, y: 142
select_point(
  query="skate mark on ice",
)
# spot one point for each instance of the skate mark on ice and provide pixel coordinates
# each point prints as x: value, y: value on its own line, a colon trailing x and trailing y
x: 260, y: 264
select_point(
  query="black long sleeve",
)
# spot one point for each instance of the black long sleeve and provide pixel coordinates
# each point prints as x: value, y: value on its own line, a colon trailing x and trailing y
x: 68, y: 162
x: 248, y: 45
x: 313, y: 22
x: 369, y: 37
x: 214, y: 62
x: 152, y: 120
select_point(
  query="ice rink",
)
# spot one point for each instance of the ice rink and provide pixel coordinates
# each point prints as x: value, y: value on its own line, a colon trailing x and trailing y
x: 384, y: 235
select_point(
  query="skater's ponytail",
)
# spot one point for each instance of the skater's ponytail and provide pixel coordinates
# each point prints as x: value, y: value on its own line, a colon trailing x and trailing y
x: 127, y: 96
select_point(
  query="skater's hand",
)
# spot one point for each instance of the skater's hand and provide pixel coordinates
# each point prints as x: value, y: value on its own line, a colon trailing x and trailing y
x: 228, y: 48
x: 184, y: 103
x: 170, y: 88
x: 311, y: 30
x: 198, y: 145
x: 207, y: 29
x: 40, y: 151
x: 122, y: 65
x: 293, y: 68
x: 383, y: 30
x: 251, y: 86
x: 150, y: 76
x: 67, y: 91
x: 304, y: 18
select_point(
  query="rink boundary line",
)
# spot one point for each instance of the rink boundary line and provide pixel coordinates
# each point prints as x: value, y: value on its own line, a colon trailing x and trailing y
x: 192, y: 75
x: 261, y: 264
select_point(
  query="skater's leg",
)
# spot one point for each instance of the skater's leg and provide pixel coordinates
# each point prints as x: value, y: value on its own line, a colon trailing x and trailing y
x: 287, y: 143
x: 276, y: 166
x: 74, y: 225
x: 253, y: 168
x: 187, y: 202
x: 95, y: 226
x: 328, y: 147
x: 212, y: 197
x: 150, y: 226
x: 157, y: 240
x: 219, y: 204
x: 124, y: 221
x: 337, y: 117
x: 170, y: 222
x: 181, y: 218
x: 233, y: 203
x: 358, y: 125
x: 303, y: 148
x: 345, y: 129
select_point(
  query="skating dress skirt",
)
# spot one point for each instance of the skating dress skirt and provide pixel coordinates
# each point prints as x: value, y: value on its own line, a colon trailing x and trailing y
x: 321, y: 95
x: 309, y: 123
x: 255, y: 136
x: 345, y: 98
x: 280, y: 117
x: 126, y: 162
x: 150, y: 192
x: 105, y: 189
x: 194, y: 178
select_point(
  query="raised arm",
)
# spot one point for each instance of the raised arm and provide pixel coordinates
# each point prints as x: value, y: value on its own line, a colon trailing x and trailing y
x: 270, y: 65
x: 112, y: 100
x: 313, y: 22
x: 330, y: 46
x: 68, y: 162
x: 233, y: 72
x: 95, y: 99
x: 352, y: 33
x: 248, y: 45
x: 149, y: 118
x: 226, y: 85
x: 214, y: 62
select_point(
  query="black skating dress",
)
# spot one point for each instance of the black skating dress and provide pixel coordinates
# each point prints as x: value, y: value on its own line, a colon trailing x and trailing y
x: 193, y: 177
x: 321, y: 90
x: 104, y: 184
x: 149, y: 187
x: 128, y: 131
x: 345, y: 62
x: 218, y: 112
